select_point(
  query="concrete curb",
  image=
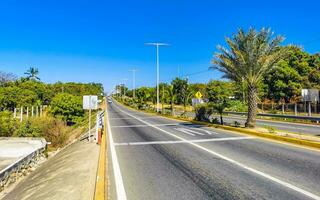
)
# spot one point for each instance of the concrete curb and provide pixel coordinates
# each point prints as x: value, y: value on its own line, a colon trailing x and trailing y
x: 100, y: 187
x: 306, y: 143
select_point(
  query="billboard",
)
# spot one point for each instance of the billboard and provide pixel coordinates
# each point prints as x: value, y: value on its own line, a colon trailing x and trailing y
x: 310, y: 95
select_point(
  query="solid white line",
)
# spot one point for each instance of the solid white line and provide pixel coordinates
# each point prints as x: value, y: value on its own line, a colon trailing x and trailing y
x: 265, y: 175
x: 115, y: 118
x: 121, y: 193
x: 143, y: 125
x: 182, y: 142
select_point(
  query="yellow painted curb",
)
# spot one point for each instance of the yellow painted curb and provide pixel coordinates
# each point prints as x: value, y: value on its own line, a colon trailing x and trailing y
x: 306, y: 143
x: 100, y: 189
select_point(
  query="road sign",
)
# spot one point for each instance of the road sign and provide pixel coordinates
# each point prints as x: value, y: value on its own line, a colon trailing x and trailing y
x: 310, y: 95
x: 90, y: 102
x: 198, y: 95
x: 197, y: 101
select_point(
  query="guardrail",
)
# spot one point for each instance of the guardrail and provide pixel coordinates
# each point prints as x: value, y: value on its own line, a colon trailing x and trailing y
x: 22, y: 163
x: 278, y: 116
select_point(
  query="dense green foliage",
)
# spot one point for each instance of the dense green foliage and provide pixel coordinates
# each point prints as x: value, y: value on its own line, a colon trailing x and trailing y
x: 64, y: 101
x: 23, y: 92
x: 297, y: 71
x: 67, y: 107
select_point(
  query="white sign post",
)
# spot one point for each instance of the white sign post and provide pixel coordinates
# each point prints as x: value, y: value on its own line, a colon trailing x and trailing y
x: 310, y: 95
x: 90, y: 102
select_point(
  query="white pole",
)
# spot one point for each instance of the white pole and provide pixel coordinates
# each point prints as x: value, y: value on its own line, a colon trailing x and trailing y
x: 309, y: 108
x: 37, y: 111
x: 157, y: 77
x: 27, y: 112
x: 41, y: 111
x: 89, y: 118
x: 32, y: 111
x: 21, y: 114
x: 158, y: 73
x: 15, y: 113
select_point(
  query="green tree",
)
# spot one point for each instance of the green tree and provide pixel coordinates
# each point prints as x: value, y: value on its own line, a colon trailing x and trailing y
x: 171, y: 97
x: 67, y: 107
x: 219, y: 90
x: 219, y: 106
x: 13, y: 96
x: 32, y: 73
x: 250, y: 56
x: 180, y: 87
x: 283, y: 82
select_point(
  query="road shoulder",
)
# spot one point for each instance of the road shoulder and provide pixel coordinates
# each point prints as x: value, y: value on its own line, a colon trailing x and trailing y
x: 71, y: 174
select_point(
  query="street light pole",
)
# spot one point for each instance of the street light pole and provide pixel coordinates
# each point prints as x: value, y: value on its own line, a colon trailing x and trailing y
x: 158, y: 71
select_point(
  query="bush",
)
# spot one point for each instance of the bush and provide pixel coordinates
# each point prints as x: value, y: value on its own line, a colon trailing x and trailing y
x: 67, y: 107
x: 215, y: 121
x: 27, y: 129
x: 53, y: 130
x: 203, y: 112
x: 7, y: 124
x: 237, y: 124
x: 237, y: 106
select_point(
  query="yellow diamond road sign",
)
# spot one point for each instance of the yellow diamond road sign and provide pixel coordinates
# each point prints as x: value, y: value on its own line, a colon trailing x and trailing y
x: 198, y: 95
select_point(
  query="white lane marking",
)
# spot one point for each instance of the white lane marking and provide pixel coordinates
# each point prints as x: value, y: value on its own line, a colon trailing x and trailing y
x: 183, y: 142
x: 188, y: 131
x: 143, y: 125
x: 121, y: 193
x: 115, y: 118
x: 181, y: 129
x: 265, y: 175
x: 206, y: 131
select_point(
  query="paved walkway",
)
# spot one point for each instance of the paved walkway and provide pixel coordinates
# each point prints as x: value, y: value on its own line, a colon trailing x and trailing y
x: 70, y: 174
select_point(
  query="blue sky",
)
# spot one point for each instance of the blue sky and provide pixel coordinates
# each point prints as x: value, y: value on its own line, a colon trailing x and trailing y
x: 100, y: 41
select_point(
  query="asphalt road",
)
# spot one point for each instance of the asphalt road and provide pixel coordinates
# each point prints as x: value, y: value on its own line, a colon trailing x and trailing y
x: 158, y: 158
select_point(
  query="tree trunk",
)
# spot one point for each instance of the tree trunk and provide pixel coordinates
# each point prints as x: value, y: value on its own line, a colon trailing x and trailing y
x: 172, y: 109
x: 221, y: 119
x: 252, y: 106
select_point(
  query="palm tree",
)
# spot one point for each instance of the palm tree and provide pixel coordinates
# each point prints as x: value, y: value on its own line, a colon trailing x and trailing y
x: 172, y: 97
x: 250, y: 55
x: 32, y: 73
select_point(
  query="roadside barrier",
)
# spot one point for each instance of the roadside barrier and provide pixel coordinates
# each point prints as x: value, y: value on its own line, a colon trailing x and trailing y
x: 22, y: 166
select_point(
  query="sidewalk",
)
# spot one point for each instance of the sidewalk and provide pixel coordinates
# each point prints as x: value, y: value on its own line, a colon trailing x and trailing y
x: 71, y: 174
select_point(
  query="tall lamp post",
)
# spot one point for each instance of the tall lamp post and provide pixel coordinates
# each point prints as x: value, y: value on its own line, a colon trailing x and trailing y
x: 157, y: 44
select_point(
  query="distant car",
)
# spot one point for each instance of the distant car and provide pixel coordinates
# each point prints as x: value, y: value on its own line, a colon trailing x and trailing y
x: 109, y: 101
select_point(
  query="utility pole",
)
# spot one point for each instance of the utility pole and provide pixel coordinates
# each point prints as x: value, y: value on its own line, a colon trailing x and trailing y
x: 158, y: 76
x: 133, y: 82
